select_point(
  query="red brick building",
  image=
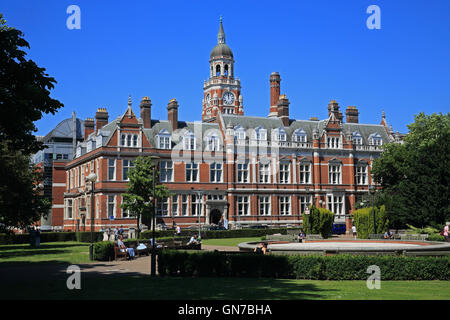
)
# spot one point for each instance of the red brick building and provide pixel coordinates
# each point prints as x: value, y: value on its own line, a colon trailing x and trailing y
x: 249, y: 170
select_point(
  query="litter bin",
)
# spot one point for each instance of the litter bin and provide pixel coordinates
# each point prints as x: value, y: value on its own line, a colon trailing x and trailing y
x: 32, y: 238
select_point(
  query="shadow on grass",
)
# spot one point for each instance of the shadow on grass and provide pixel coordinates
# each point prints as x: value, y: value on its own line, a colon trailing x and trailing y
x: 43, y: 246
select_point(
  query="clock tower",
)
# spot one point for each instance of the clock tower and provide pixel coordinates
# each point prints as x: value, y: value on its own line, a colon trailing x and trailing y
x: 221, y: 91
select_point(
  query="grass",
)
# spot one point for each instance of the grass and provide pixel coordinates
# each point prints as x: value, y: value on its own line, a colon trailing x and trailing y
x: 144, y: 287
x: 51, y: 252
x: 231, y: 242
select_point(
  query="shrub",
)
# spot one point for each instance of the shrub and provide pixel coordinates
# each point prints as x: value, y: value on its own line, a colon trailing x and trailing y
x: 104, y: 251
x: 318, y: 221
x: 363, y: 220
x: 86, y: 236
x: 312, y: 267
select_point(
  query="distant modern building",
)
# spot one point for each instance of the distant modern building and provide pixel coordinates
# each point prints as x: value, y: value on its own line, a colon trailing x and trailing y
x: 228, y: 167
x: 59, y: 149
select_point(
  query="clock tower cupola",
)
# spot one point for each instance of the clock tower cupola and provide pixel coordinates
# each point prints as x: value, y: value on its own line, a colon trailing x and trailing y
x: 222, y: 91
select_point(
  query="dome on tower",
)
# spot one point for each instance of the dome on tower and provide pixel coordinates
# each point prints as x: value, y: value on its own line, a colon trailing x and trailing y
x: 221, y: 48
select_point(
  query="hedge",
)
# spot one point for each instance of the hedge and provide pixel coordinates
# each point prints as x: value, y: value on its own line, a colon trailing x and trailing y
x: 216, y: 234
x: 312, y: 267
x: 318, y: 221
x: 50, y: 237
x: 363, y: 220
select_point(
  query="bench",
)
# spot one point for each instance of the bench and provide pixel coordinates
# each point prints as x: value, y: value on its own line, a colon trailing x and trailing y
x: 118, y: 253
x: 285, y: 237
x: 314, y: 237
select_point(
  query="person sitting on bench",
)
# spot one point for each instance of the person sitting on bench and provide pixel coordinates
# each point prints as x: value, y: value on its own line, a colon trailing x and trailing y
x: 156, y: 244
x: 123, y: 248
x: 193, y: 240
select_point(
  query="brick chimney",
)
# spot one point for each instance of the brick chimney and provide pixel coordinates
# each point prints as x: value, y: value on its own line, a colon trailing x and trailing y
x: 172, y: 113
x: 283, y: 110
x: 352, y: 114
x: 101, y: 118
x: 275, y: 82
x: 146, y: 112
x: 89, y: 127
x: 333, y: 107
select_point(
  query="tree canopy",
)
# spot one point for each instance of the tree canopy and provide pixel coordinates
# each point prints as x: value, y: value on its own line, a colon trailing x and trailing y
x: 140, y: 190
x: 415, y: 175
x: 24, y: 98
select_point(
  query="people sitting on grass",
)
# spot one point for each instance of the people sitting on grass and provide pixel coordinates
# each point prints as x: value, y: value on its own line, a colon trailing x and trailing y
x: 123, y: 248
x: 262, y: 248
x: 193, y: 240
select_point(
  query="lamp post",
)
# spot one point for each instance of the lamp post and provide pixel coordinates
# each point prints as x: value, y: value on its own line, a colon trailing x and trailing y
x: 92, y: 178
x: 153, y: 260
x: 199, y: 195
x: 372, y: 192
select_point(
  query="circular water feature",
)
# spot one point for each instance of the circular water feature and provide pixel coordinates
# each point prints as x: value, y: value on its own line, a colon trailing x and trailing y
x: 329, y: 247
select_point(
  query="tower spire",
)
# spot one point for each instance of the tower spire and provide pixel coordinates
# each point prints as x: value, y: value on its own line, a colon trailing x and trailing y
x: 221, y: 34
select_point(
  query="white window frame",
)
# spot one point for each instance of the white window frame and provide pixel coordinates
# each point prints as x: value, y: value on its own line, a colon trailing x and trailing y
x: 191, y: 168
x: 166, y: 171
x: 174, y: 204
x: 304, y: 202
x: 362, y: 176
x: 215, y: 169
x: 264, y: 205
x: 264, y: 172
x: 243, y: 172
x: 334, y: 173
x: 114, y: 170
x: 304, y: 174
x: 126, y: 165
x: 284, y: 205
x: 189, y: 141
x: 108, y: 203
x: 285, y: 174
x: 243, y: 205
x: 336, y: 204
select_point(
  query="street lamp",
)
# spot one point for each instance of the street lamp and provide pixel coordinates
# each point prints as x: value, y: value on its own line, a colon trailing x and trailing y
x: 199, y: 195
x: 372, y: 192
x: 154, y: 160
x: 92, y: 178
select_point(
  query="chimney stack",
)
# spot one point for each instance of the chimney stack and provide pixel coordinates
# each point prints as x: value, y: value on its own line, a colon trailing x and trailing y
x: 352, y: 114
x: 283, y: 110
x: 146, y: 112
x: 172, y: 113
x: 89, y: 127
x: 101, y: 118
x: 333, y: 108
x: 275, y: 81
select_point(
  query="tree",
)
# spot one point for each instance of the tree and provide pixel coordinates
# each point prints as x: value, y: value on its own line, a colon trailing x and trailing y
x: 24, y: 97
x: 24, y: 92
x: 21, y: 199
x: 138, y: 197
x: 318, y: 221
x: 415, y: 175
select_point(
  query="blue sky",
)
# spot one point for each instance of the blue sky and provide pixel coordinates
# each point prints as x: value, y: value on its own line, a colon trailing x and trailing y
x: 322, y: 49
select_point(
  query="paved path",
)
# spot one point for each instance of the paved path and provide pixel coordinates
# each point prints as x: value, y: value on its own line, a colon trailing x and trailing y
x: 43, y: 271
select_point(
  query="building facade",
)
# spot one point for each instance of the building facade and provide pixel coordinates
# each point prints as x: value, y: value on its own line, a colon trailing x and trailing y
x: 229, y: 166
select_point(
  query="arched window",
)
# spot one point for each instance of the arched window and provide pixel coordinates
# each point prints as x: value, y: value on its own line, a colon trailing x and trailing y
x: 357, y: 138
x: 129, y: 140
x: 135, y: 140
x: 375, y: 139
x: 217, y: 70
x: 226, y: 70
x: 279, y: 134
x: 260, y: 134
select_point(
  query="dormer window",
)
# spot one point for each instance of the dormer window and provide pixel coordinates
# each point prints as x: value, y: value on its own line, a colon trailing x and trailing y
x: 333, y: 142
x: 357, y: 138
x: 164, y: 140
x: 239, y: 133
x: 189, y: 141
x: 279, y: 135
x: 213, y: 142
x: 260, y: 134
x: 129, y: 140
x: 375, y: 139
x: 299, y: 135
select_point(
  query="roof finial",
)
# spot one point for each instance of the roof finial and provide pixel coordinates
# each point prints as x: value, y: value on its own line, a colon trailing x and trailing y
x: 129, y: 105
x: 221, y: 34
x: 383, y: 115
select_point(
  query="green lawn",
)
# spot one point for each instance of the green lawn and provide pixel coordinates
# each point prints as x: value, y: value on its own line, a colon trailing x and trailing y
x: 57, y: 252
x: 144, y: 287
x: 232, y: 242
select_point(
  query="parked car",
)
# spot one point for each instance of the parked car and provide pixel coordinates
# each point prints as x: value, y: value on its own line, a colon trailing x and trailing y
x: 338, y: 228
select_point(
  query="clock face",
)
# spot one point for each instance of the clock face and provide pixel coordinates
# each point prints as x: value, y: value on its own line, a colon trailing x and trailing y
x: 228, y: 98
x: 208, y: 99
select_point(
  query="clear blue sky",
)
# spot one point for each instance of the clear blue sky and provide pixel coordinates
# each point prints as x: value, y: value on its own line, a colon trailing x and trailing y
x: 322, y: 49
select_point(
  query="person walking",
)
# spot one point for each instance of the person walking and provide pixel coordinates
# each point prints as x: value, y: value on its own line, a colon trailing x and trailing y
x: 446, y: 232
